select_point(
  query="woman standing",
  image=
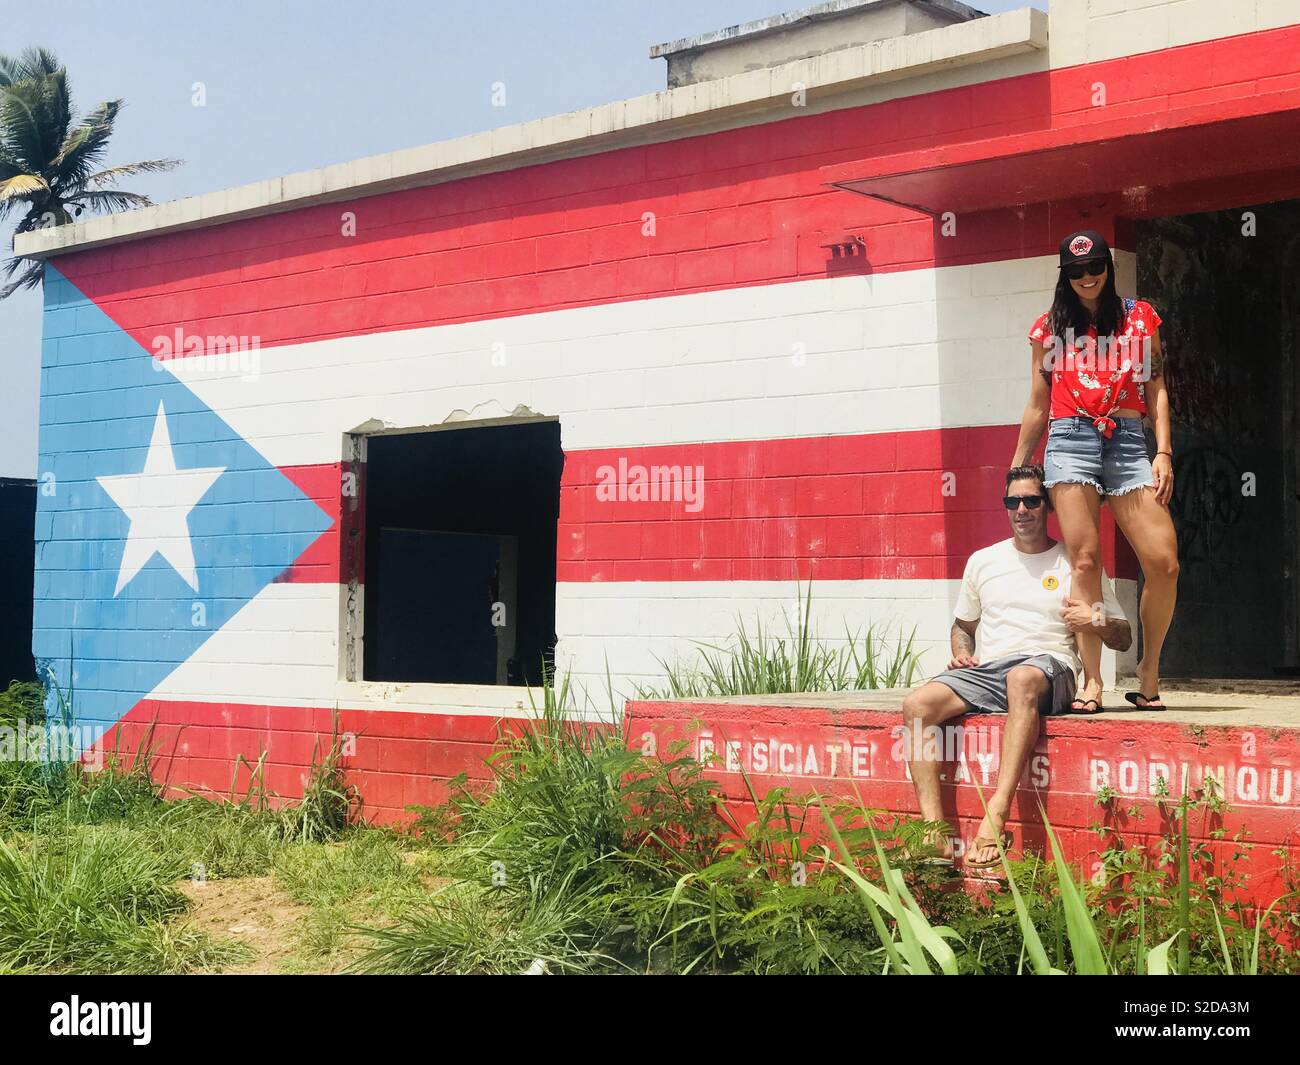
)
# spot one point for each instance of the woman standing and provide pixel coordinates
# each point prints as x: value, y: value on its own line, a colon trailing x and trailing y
x: 1096, y: 371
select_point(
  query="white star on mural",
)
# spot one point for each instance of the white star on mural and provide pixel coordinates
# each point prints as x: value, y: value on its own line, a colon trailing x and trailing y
x: 157, y: 501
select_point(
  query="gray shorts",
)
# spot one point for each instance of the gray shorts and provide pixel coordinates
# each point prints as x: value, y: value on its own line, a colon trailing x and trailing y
x: 983, y: 688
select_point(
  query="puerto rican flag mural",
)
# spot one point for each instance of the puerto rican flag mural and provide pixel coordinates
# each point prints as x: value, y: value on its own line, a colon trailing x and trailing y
x: 673, y: 303
x: 157, y: 521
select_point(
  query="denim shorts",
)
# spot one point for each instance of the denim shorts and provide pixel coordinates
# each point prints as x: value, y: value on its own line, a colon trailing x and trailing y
x: 1078, y: 454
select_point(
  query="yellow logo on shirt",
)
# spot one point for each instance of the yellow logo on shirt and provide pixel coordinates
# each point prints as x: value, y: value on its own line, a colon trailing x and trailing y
x: 1051, y: 583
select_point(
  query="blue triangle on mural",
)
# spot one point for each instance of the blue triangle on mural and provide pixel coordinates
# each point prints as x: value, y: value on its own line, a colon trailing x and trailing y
x: 114, y: 618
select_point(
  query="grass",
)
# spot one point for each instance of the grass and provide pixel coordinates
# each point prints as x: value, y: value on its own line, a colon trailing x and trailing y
x: 583, y: 856
x: 91, y: 901
x: 759, y: 662
x: 580, y: 855
x: 92, y: 863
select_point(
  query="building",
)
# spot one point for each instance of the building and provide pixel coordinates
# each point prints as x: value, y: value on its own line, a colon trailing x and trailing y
x: 384, y: 437
x: 17, y: 518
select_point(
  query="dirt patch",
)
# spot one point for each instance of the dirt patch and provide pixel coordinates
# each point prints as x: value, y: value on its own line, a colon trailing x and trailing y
x: 251, y: 911
x: 432, y: 881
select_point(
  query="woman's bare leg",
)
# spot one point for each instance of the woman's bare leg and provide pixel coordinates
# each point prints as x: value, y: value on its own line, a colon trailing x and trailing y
x: 1150, y: 530
x: 1078, y: 509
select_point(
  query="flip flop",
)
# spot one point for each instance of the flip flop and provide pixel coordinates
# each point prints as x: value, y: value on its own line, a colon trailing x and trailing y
x: 1080, y: 706
x: 1133, y: 698
x: 980, y: 842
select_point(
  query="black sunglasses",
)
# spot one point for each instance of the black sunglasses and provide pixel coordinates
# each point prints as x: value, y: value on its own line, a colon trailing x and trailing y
x: 1013, y: 502
x: 1093, y: 269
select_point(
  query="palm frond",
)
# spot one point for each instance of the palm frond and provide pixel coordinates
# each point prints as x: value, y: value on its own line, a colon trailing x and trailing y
x: 21, y: 186
x: 109, y: 200
x: 113, y: 173
x: 34, y: 119
x: 32, y: 275
x: 83, y: 146
x: 32, y: 63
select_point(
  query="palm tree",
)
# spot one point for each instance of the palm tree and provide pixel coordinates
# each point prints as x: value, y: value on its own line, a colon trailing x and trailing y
x: 49, y: 167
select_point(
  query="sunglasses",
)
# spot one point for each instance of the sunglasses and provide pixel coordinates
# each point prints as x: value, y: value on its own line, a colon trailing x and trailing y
x: 1013, y: 502
x: 1093, y: 269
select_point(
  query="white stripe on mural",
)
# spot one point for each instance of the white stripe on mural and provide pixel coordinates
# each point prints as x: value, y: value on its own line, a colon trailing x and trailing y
x: 281, y: 649
x: 916, y: 349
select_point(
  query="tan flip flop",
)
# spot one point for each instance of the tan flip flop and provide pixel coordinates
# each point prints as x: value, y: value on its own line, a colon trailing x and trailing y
x: 980, y: 842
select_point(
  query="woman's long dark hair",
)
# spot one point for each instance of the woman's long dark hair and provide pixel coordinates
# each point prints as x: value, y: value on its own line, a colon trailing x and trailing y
x: 1069, y: 313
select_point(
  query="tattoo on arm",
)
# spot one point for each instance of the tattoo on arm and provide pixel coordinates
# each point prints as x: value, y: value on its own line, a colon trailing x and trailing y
x: 1117, y: 635
x: 1157, y: 362
x: 963, y: 643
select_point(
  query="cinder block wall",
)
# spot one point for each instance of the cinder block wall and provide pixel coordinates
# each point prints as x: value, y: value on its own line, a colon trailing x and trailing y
x: 668, y: 302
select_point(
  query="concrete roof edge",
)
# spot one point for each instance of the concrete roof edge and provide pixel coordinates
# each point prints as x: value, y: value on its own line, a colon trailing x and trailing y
x: 746, y: 31
x: 626, y: 123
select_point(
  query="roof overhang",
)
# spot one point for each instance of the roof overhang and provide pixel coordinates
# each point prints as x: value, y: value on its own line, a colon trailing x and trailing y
x: 1217, y: 141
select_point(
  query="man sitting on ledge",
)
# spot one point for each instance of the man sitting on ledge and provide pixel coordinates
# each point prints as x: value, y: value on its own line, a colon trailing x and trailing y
x: 1013, y: 593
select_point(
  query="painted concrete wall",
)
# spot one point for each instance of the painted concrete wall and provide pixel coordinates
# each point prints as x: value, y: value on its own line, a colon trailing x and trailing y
x: 1102, y: 787
x: 668, y: 302
x: 1091, y: 31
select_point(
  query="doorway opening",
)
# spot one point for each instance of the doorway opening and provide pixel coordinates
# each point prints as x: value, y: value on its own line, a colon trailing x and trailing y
x: 460, y: 550
x: 1227, y: 286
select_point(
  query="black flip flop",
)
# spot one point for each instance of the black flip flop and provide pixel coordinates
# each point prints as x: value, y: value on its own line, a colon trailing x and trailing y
x: 1133, y: 698
x: 1080, y: 706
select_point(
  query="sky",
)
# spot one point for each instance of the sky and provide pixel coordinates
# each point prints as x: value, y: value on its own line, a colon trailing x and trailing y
x: 296, y: 84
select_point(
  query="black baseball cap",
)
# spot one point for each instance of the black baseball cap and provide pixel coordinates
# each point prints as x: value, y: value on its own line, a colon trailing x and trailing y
x: 1083, y: 245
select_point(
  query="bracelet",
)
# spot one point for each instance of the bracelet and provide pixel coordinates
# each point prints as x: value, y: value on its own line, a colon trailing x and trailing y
x: 1169, y: 453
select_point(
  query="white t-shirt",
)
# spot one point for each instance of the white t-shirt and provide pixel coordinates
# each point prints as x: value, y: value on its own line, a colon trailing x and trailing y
x: 1017, y: 599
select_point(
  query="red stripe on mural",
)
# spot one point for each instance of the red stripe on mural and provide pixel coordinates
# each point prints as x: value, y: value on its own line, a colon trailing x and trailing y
x: 320, y: 562
x: 396, y: 758
x: 879, y: 506
x: 739, y: 207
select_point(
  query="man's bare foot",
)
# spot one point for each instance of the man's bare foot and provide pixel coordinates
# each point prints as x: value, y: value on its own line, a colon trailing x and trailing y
x: 941, y: 840
x: 937, y: 840
x: 983, y: 850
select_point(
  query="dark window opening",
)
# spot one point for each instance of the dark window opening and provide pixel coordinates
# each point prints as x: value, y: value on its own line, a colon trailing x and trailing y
x: 460, y: 545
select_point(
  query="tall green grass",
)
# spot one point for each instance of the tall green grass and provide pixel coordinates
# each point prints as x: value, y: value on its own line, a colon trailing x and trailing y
x: 761, y: 662
x: 95, y: 902
x: 581, y: 855
x: 329, y: 804
x: 91, y: 860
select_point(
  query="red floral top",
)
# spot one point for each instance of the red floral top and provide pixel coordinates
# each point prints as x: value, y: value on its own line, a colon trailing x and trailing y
x: 1092, y: 382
